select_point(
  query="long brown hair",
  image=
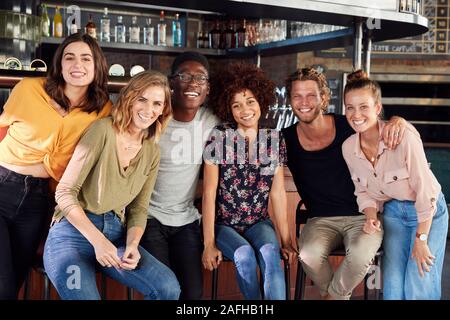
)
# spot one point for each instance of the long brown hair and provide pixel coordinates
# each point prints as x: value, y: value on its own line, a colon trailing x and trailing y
x: 97, y: 93
x: 122, y: 114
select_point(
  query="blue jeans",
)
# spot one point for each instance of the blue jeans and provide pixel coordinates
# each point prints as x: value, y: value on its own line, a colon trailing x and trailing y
x: 401, y: 278
x: 258, y: 245
x: 69, y: 260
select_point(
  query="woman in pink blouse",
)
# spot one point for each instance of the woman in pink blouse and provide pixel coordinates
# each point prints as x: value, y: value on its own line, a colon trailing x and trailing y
x: 400, y: 184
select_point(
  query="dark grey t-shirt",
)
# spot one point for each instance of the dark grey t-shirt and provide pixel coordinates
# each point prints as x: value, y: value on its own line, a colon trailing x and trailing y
x: 322, y: 177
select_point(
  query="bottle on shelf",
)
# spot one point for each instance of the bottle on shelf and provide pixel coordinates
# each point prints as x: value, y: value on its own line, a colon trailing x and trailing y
x: 149, y: 33
x: 230, y: 41
x: 135, y: 31
x: 57, y: 24
x: 240, y: 35
x: 222, y: 28
x: 214, y: 36
x: 205, y: 40
x: 105, y: 27
x: 162, y: 30
x: 203, y: 36
x: 199, y: 40
x: 90, y: 28
x: 119, y: 31
x: 45, y: 22
x: 73, y: 28
x: 176, y: 31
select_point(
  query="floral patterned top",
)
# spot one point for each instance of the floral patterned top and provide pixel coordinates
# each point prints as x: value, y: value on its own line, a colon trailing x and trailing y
x: 245, y: 179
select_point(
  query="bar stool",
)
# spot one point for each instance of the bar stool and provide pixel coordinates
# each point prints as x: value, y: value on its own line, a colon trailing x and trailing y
x: 287, y: 280
x: 300, y: 218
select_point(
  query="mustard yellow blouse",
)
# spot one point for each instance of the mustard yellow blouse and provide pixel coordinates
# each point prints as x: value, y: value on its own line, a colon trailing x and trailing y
x: 37, y: 132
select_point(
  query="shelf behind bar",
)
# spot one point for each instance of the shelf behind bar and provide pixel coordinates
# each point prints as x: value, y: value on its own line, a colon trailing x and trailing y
x: 338, y: 38
x: 408, y: 77
x: 420, y: 102
x: 9, y: 78
x: 393, y: 24
x: 143, y: 47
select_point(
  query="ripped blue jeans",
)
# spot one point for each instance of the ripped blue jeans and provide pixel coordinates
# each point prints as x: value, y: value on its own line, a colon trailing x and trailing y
x: 257, y: 246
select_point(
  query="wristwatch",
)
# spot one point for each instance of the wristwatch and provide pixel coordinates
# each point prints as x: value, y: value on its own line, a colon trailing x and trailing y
x: 422, y: 236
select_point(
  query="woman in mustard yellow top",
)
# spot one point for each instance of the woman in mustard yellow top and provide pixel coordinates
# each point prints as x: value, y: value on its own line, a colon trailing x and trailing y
x: 45, y: 119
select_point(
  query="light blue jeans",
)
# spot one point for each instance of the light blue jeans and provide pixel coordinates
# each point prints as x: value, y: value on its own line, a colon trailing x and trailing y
x: 70, y: 263
x: 257, y: 246
x: 401, y: 278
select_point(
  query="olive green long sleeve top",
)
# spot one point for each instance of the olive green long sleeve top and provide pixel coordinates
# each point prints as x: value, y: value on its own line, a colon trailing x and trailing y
x: 95, y: 180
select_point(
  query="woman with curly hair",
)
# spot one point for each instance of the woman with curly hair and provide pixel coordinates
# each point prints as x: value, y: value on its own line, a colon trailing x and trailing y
x: 243, y: 168
x: 103, y: 199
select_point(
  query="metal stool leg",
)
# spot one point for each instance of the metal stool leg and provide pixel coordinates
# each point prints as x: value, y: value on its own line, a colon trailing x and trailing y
x: 104, y: 286
x: 215, y: 278
x: 26, y: 283
x: 287, y: 279
x: 300, y: 283
x: 130, y: 293
x: 379, y: 292
x: 366, y: 289
x: 46, y: 287
x: 261, y: 284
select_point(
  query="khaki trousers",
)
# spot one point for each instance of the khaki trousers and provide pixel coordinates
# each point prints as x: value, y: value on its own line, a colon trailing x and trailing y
x: 320, y: 236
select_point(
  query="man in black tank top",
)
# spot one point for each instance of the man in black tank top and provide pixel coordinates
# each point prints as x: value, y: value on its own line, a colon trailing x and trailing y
x: 324, y: 183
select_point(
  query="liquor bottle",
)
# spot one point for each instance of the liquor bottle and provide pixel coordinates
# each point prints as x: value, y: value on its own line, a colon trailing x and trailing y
x: 105, y: 27
x: 149, y: 33
x: 57, y: 24
x: 230, y: 41
x: 119, y: 31
x: 222, y: 29
x: 162, y: 30
x: 214, y: 37
x: 90, y: 28
x: 73, y: 27
x: 135, y: 31
x: 205, y: 40
x: 176, y: 31
x: 45, y: 22
x: 199, y: 40
x: 240, y: 35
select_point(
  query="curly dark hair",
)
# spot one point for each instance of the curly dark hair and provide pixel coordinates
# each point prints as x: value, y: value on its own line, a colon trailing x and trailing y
x: 234, y: 78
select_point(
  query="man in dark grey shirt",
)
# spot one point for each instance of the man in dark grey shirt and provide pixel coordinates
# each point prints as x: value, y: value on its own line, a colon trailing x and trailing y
x: 314, y: 151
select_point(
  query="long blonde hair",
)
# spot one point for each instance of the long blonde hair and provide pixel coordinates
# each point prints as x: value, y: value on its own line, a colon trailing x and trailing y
x: 121, y: 113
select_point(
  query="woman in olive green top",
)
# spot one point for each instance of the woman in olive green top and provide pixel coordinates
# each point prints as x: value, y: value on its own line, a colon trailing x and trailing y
x: 103, y: 198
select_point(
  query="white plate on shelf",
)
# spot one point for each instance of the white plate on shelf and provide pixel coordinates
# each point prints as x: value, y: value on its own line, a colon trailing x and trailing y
x: 135, y: 70
x: 116, y: 70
